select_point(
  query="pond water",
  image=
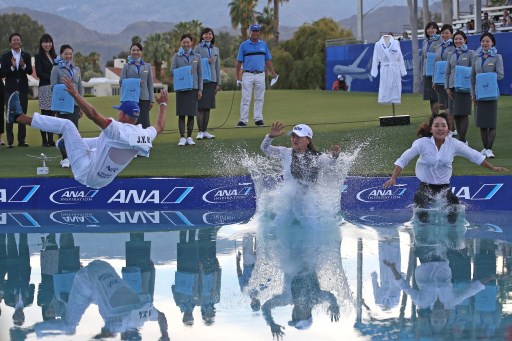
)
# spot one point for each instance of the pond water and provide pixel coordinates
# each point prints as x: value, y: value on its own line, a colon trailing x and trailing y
x: 318, y: 277
x: 296, y: 269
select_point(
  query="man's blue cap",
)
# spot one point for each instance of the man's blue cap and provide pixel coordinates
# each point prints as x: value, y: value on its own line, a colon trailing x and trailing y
x: 130, y: 108
x: 255, y: 27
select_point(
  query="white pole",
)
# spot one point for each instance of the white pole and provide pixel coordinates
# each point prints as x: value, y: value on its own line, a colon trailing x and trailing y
x: 360, y: 34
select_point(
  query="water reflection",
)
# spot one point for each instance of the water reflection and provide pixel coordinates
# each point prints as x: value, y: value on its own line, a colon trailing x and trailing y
x: 197, y: 280
x: 18, y: 292
x: 290, y: 279
x: 124, y: 304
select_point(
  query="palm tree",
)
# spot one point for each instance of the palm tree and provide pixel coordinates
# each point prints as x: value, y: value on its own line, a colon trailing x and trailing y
x: 157, y: 49
x: 136, y: 39
x: 93, y: 59
x: 193, y: 27
x: 242, y: 13
x: 265, y: 20
x: 276, y: 18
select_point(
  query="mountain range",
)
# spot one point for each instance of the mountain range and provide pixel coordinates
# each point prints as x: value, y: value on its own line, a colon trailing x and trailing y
x: 113, y: 16
x: 85, y: 39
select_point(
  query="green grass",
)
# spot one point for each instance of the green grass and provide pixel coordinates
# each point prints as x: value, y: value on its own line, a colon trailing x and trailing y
x: 351, y: 119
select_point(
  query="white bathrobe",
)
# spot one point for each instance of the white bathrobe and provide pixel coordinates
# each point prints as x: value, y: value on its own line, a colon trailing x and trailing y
x: 392, y: 69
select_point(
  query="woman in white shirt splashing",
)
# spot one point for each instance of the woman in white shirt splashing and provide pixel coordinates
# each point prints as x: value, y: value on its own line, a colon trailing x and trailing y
x: 436, y: 150
x: 303, y: 161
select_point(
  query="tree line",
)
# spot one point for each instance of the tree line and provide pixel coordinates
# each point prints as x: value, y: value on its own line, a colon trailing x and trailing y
x: 300, y: 61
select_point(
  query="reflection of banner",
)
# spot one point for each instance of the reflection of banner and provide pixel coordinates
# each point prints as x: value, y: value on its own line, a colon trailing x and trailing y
x: 73, y: 221
x: 354, y: 63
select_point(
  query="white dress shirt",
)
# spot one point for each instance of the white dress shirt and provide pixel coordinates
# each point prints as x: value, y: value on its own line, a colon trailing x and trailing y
x: 434, y: 282
x: 434, y: 166
x: 17, y: 56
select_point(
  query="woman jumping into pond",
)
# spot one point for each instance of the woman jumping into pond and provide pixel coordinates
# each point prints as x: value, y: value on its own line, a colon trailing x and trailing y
x: 302, y: 161
x: 436, y: 151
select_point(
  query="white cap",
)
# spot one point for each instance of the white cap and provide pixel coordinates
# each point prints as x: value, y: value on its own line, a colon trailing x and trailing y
x: 302, y: 130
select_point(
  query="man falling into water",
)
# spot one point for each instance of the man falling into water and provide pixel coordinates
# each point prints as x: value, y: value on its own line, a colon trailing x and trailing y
x: 95, y: 162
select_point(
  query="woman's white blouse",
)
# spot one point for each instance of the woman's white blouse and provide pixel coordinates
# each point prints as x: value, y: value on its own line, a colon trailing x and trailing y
x: 435, y: 166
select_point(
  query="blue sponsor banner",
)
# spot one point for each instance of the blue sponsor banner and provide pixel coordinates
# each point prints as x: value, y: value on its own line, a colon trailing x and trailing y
x: 477, y: 193
x: 354, y: 63
x: 52, y: 204
x: 143, y: 193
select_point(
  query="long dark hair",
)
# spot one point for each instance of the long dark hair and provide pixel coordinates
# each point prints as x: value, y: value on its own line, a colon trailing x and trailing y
x: 425, y: 128
x: 46, y: 38
x: 306, y: 167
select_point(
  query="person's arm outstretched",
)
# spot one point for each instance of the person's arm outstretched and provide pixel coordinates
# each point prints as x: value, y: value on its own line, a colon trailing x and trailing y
x: 162, y: 113
x: 396, y: 172
x: 493, y: 168
x: 86, y: 107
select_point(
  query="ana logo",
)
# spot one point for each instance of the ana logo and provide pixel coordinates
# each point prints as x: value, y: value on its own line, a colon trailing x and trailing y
x: 73, y: 195
x: 22, y: 194
x: 379, y: 194
x: 133, y: 196
x: 112, y: 169
x: 76, y: 218
x: 221, y: 195
x: 485, y: 192
x: 223, y: 218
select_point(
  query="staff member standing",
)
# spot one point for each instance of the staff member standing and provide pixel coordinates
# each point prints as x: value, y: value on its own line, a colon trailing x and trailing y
x: 16, y: 65
x: 65, y: 68
x: 186, y: 101
x: 486, y: 112
x: 206, y: 49
x: 137, y: 68
x: 254, y: 55
x: 44, y: 61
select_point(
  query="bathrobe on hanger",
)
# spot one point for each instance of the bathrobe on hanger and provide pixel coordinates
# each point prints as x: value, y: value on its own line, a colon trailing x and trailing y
x: 392, y: 69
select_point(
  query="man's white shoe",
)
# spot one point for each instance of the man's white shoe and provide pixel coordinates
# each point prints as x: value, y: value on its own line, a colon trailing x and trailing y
x: 454, y: 133
x: 207, y: 135
x: 65, y: 163
x: 484, y: 152
x: 490, y: 154
x: 182, y: 142
x: 190, y: 141
x: 199, y: 135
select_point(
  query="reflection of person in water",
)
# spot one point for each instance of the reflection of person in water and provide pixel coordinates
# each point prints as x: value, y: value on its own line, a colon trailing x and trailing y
x: 121, y: 308
x: 55, y: 260
x: 18, y: 292
x: 487, y: 308
x: 244, y: 274
x: 303, y: 161
x: 385, y: 292
x: 140, y: 270
x: 198, y: 275
x: 303, y: 291
x: 436, y: 293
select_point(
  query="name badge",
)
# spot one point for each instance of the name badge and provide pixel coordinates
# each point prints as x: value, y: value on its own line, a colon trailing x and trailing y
x: 139, y: 140
x: 464, y: 58
x: 490, y: 64
x: 141, y: 315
